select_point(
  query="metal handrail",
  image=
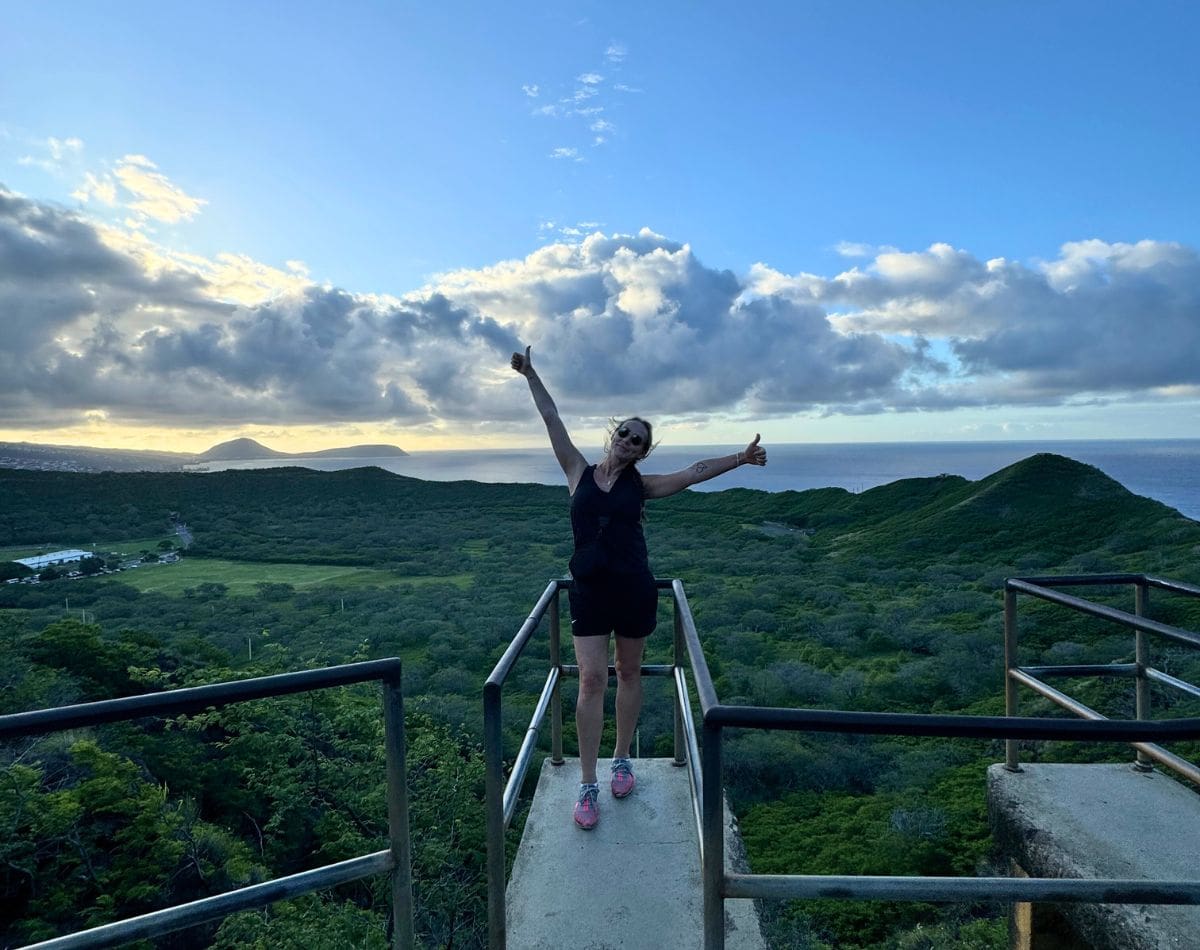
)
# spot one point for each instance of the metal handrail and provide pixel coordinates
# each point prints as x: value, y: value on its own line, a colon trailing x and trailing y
x: 503, y: 794
x: 708, y: 794
x: 1032, y: 677
x: 396, y: 858
x: 720, y: 885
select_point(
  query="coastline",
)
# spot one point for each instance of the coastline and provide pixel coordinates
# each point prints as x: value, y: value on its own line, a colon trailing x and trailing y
x: 1163, y: 469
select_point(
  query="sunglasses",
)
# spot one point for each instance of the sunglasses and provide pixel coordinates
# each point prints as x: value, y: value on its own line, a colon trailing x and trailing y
x: 635, y: 440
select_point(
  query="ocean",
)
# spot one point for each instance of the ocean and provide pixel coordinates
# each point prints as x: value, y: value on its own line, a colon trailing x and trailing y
x: 1167, y: 470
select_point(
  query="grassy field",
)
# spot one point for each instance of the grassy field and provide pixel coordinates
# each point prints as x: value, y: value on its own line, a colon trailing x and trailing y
x: 241, y: 577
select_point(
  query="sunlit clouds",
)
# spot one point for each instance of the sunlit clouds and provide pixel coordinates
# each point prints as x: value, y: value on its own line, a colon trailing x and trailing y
x: 104, y: 325
x: 149, y: 195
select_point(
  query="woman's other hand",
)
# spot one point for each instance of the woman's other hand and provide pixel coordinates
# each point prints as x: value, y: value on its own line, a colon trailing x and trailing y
x: 522, y: 364
x: 755, y: 454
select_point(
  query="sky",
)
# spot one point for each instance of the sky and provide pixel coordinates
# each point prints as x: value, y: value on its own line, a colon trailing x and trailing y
x: 324, y: 224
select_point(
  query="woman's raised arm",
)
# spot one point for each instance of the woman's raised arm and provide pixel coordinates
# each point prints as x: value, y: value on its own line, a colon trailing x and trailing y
x: 570, y: 459
x: 660, y: 486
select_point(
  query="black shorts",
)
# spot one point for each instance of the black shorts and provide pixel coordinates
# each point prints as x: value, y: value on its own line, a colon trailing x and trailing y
x: 624, y: 604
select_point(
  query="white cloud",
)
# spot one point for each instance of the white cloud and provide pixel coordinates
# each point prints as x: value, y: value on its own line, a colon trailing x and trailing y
x: 154, y: 195
x: 97, y: 317
x: 564, y: 152
x: 586, y: 101
x: 531, y: 90
x: 60, y: 148
x: 58, y: 154
x: 103, y: 189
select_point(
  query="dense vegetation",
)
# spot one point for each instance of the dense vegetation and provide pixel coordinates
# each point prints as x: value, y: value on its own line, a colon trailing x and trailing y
x: 887, y: 599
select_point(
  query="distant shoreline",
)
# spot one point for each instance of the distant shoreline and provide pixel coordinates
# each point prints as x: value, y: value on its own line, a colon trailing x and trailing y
x: 1163, y: 469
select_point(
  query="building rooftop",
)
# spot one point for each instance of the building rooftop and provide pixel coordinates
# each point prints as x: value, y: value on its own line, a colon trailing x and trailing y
x: 54, y: 557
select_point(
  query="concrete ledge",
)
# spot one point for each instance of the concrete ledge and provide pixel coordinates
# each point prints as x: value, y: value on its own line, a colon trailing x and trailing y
x: 632, y: 882
x: 1103, y: 821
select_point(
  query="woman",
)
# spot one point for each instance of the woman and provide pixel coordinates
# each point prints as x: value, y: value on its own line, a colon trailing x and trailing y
x: 613, y: 591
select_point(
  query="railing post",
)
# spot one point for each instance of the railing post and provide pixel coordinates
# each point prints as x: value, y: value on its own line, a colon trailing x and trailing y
x: 1142, y: 657
x: 556, y: 747
x: 713, y: 821
x: 1010, y: 684
x: 398, y: 829
x: 494, y: 805
x: 677, y: 661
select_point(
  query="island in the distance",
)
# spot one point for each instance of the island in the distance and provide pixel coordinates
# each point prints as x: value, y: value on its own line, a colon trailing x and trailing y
x: 82, y: 458
x: 248, y: 449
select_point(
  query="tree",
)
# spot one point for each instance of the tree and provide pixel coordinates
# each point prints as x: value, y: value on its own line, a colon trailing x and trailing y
x: 13, y: 569
x: 91, y: 565
x: 93, y: 840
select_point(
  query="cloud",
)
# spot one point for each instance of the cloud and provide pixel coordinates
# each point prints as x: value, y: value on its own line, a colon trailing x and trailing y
x: 1099, y: 321
x: 136, y: 185
x: 154, y: 196
x: 103, y: 189
x: 101, y: 323
x: 1103, y: 318
x: 128, y: 331
x: 577, y: 230
x: 583, y: 104
x: 58, y: 154
x: 638, y: 319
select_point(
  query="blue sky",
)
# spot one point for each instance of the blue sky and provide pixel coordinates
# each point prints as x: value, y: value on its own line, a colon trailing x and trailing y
x: 823, y: 221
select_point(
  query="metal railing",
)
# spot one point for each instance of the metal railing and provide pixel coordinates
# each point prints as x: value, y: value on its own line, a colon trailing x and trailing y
x: 703, y: 755
x: 502, y: 795
x: 1141, y: 670
x: 396, y: 858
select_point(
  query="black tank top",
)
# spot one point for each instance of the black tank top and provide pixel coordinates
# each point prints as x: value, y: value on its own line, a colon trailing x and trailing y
x: 608, y: 526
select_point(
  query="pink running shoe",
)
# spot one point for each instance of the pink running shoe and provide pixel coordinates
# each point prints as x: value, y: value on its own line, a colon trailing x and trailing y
x: 622, y: 778
x: 587, y: 812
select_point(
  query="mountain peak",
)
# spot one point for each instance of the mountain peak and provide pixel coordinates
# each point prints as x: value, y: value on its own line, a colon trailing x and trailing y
x: 240, y: 449
x: 244, y: 448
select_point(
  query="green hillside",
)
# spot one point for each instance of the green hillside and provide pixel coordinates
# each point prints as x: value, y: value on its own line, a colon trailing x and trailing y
x: 887, y: 599
x: 1048, y: 503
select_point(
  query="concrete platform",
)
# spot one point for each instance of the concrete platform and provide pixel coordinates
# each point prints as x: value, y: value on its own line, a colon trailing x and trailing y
x: 1103, y: 821
x: 632, y: 882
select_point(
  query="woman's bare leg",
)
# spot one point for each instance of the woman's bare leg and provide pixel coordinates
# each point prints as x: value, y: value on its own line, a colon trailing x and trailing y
x: 591, y: 653
x: 629, y: 691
